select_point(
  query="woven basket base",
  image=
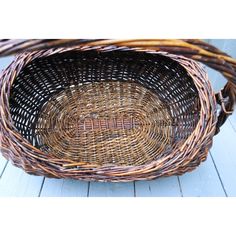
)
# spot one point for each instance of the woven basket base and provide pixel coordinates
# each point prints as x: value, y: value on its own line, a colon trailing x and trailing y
x: 105, y: 123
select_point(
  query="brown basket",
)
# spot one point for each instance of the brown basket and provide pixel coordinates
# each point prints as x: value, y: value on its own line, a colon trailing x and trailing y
x: 109, y: 110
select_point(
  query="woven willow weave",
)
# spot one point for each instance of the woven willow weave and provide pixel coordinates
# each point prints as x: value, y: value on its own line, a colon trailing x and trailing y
x: 106, y: 113
x: 105, y: 123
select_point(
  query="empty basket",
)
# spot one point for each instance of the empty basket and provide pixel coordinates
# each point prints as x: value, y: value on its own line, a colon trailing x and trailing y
x: 107, y: 112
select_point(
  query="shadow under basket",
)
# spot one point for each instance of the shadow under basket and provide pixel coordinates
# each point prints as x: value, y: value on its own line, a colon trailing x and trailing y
x: 115, y: 115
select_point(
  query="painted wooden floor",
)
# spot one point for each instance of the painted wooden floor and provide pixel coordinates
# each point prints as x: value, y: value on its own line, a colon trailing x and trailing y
x: 216, y: 177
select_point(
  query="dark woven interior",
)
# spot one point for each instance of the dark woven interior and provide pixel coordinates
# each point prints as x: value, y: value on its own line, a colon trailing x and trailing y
x: 46, y: 78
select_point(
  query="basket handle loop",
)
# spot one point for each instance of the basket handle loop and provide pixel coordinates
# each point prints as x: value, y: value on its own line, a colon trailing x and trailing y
x: 226, y: 99
x: 223, y: 101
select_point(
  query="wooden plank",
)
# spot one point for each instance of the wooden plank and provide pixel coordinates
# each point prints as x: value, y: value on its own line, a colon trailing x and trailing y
x: 219, y: 43
x: 223, y: 153
x: 202, y: 182
x: 217, y: 80
x: 5, y: 61
x: 64, y: 188
x: 16, y: 183
x: 162, y: 187
x: 232, y: 120
x: 230, y: 47
x: 3, y: 163
x: 101, y: 189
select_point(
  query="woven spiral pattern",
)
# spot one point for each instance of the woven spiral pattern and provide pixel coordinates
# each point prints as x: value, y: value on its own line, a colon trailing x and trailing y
x: 106, y: 114
x: 105, y: 123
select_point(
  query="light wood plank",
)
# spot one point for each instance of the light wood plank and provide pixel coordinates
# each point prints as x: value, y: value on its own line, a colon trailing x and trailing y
x: 16, y: 183
x: 202, y: 182
x: 162, y: 187
x: 230, y: 47
x: 3, y: 163
x: 101, y: 189
x: 64, y: 188
x: 217, y: 80
x: 232, y: 120
x: 5, y: 61
x: 219, y: 43
x: 224, y: 155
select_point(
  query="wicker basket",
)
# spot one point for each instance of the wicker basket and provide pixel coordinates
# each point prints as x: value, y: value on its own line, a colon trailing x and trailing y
x: 110, y: 110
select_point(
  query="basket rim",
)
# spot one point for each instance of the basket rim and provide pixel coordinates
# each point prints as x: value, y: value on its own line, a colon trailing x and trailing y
x: 203, y: 132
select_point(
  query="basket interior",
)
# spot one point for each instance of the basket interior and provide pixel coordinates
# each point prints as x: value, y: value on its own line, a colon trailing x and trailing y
x: 105, y: 108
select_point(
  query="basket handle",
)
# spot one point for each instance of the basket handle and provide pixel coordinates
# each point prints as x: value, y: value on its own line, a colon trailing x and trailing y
x: 13, y: 46
x: 191, y: 48
x: 226, y: 65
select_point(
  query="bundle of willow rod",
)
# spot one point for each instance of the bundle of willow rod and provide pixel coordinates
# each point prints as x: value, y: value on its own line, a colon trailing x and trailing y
x: 111, y: 110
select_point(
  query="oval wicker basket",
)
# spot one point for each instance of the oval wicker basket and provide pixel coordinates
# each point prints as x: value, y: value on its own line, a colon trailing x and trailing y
x: 107, y: 113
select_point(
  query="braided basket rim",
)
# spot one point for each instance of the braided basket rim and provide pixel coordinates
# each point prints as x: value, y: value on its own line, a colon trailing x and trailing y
x: 202, y: 134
